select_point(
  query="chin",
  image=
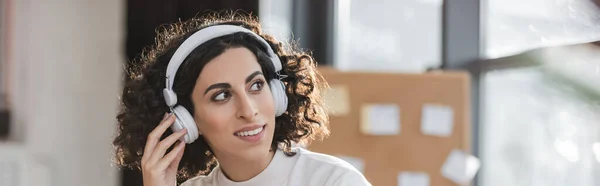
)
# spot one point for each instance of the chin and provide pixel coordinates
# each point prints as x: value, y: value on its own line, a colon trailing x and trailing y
x: 255, y: 146
x: 257, y: 151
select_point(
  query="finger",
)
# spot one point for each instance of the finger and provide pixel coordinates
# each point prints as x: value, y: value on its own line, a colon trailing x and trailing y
x: 162, y: 146
x: 175, y: 164
x: 169, y: 159
x: 155, y: 135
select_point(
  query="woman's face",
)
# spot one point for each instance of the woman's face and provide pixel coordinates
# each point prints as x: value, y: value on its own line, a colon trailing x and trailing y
x: 234, y: 108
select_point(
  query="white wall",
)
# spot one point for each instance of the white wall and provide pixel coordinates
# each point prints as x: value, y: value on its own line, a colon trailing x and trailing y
x: 3, y: 71
x: 276, y: 18
x: 66, y: 67
x: 387, y: 36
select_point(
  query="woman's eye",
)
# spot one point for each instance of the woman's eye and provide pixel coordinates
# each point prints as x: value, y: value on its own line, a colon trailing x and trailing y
x: 222, y: 96
x: 257, y: 86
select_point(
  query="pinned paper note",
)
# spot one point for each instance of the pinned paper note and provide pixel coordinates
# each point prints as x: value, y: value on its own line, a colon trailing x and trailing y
x: 337, y: 100
x: 358, y: 163
x: 437, y: 120
x: 460, y: 167
x: 380, y: 119
x: 413, y: 179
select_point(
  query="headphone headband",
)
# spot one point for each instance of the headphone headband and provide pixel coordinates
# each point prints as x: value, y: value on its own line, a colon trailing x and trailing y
x: 204, y: 35
x: 195, y: 40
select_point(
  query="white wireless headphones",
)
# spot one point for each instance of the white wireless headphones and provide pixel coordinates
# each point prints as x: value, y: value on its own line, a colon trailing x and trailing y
x: 183, y: 118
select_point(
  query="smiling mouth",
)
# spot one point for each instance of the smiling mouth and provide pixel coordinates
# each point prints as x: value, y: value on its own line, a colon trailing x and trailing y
x: 253, y: 132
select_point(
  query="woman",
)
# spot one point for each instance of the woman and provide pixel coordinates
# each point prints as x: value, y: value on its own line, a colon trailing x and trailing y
x: 237, y: 102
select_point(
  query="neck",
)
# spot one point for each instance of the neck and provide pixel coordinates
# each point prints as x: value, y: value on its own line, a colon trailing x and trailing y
x: 241, y: 169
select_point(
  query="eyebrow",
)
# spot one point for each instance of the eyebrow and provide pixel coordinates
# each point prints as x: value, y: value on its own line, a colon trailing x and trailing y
x: 251, y: 76
x: 217, y: 86
x: 227, y: 85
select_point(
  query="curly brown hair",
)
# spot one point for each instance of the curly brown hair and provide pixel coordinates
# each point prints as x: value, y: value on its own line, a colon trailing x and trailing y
x: 143, y: 105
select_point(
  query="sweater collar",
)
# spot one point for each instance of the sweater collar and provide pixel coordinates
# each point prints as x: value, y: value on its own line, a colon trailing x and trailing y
x: 274, y: 171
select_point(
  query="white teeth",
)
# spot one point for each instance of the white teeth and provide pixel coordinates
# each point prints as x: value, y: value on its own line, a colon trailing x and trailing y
x: 250, y: 133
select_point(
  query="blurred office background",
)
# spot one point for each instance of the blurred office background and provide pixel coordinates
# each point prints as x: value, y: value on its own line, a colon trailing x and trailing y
x: 534, y: 67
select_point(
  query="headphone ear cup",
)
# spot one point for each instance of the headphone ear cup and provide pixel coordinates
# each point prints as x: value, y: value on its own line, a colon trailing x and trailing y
x: 185, y: 120
x: 279, y: 96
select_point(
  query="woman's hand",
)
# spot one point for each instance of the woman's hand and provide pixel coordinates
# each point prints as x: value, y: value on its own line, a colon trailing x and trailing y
x: 159, y: 169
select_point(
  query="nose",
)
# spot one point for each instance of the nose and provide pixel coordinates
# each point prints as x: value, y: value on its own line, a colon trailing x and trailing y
x: 246, y: 108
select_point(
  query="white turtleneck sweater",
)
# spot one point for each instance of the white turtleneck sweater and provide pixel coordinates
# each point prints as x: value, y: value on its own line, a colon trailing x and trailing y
x: 303, y: 169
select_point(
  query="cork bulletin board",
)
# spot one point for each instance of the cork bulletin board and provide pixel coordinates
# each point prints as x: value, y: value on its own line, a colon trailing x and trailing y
x: 385, y: 156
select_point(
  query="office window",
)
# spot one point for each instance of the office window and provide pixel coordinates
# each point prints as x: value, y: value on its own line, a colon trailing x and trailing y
x: 385, y: 35
x: 538, y: 131
x: 514, y: 26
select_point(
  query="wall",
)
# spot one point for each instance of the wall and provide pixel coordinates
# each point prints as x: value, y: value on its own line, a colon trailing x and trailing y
x: 66, y: 58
